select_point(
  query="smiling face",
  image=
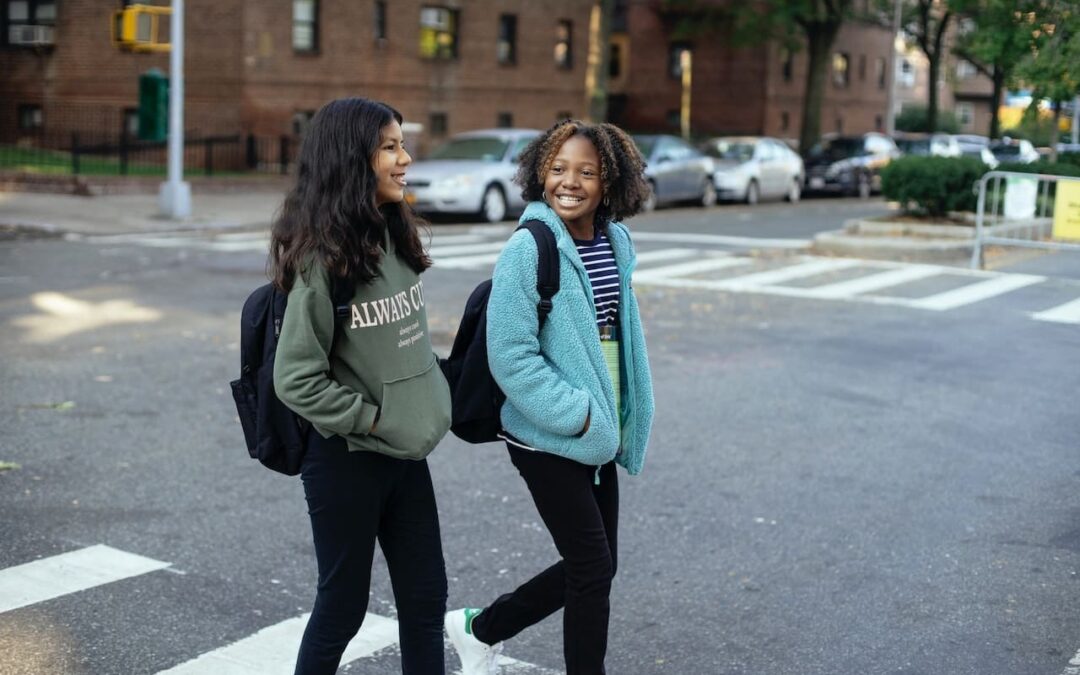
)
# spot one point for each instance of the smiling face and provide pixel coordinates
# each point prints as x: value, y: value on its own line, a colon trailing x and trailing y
x: 573, y: 187
x: 389, y: 164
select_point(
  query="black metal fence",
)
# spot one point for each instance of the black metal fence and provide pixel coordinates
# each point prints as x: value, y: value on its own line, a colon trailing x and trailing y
x: 88, y: 153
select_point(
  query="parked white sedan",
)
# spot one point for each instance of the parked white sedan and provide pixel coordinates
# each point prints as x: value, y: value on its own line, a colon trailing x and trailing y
x: 471, y: 174
x: 749, y: 168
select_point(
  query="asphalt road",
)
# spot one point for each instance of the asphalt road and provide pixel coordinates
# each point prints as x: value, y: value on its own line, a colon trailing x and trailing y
x: 834, y: 486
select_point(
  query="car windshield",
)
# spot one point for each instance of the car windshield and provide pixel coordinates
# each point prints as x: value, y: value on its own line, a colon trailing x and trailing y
x: 480, y: 148
x: 837, y: 148
x: 740, y: 152
x: 910, y: 146
x: 1005, y: 150
x: 645, y: 144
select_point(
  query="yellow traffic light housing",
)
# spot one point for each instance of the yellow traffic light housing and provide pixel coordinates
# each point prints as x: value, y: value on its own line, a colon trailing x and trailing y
x: 137, y: 28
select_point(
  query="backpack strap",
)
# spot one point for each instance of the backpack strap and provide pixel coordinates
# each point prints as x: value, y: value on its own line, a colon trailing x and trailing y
x: 341, y: 293
x: 547, y: 269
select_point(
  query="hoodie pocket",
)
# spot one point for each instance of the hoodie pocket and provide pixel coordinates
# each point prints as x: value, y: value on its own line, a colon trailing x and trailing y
x: 415, y: 412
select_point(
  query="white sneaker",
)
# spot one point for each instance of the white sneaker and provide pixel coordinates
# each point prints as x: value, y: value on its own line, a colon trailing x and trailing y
x: 476, y: 657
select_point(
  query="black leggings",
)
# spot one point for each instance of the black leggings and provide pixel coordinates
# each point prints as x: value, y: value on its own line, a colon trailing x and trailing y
x: 583, y: 520
x: 353, y: 499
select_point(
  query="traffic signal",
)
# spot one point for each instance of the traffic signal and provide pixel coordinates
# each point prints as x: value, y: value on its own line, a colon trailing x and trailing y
x: 153, y: 105
x: 137, y: 28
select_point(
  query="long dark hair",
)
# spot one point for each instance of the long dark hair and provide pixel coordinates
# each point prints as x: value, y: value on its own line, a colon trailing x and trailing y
x: 330, y: 213
x: 622, y: 168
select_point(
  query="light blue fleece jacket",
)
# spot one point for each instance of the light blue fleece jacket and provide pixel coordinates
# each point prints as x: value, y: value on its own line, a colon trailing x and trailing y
x: 555, y: 379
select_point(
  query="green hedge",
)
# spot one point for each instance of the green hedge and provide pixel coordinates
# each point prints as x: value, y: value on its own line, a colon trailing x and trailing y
x: 933, y: 186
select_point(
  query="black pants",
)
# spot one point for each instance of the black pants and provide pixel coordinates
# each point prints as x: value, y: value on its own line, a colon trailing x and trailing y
x: 583, y: 520
x: 353, y: 499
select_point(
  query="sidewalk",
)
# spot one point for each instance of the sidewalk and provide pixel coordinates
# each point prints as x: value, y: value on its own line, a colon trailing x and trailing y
x: 43, y: 214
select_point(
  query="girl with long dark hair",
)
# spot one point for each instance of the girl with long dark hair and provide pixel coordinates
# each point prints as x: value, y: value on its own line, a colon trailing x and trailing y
x: 367, y: 381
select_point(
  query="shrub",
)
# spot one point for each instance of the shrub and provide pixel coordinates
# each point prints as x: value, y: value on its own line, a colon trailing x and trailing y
x: 912, y: 118
x: 933, y: 186
x: 1069, y: 158
x: 1045, y: 167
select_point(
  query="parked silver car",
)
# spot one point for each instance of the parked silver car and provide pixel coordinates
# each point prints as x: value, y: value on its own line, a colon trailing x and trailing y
x: 929, y: 145
x: 1015, y: 150
x: 676, y: 171
x: 472, y: 174
x: 749, y: 168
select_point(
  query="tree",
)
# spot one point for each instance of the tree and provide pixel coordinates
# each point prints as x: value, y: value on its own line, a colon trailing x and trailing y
x: 1053, y: 68
x: 813, y: 24
x: 927, y: 21
x: 996, y: 36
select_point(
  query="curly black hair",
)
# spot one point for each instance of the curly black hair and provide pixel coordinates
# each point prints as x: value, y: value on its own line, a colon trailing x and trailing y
x: 622, y: 168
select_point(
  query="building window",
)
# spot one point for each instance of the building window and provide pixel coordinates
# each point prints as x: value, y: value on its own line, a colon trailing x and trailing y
x: 564, y: 52
x: 438, y: 124
x: 675, y: 52
x: 22, y: 18
x: 785, y: 121
x: 504, y: 120
x: 438, y: 33
x: 787, y: 69
x: 879, y: 72
x: 965, y: 114
x: 841, y: 63
x: 907, y: 73
x: 839, y: 124
x: 674, y: 118
x: 380, y: 21
x: 506, y: 48
x: 964, y: 70
x: 862, y: 67
x: 615, y: 57
x: 30, y: 117
x: 131, y: 121
x: 879, y: 123
x: 305, y: 25
x: 301, y: 120
x: 563, y: 115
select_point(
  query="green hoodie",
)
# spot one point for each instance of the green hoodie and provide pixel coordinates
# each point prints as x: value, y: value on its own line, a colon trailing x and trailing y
x: 381, y: 363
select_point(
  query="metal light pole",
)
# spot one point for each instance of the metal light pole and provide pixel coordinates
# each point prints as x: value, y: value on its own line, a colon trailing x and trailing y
x: 686, y: 63
x: 1076, y: 121
x: 890, y: 101
x: 174, y: 196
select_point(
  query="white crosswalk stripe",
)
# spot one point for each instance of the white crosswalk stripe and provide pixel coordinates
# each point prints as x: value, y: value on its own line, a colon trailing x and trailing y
x: 1067, y: 313
x: 67, y: 573
x: 268, y: 651
x: 871, y: 281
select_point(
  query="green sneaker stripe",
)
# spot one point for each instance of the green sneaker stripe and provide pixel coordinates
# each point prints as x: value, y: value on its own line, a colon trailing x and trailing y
x: 470, y: 614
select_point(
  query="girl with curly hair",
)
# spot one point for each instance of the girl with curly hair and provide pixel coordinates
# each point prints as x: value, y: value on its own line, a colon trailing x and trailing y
x: 377, y: 402
x: 578, y: 391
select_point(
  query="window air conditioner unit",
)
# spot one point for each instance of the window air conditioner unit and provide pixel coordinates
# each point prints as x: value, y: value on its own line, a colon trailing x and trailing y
x: 30, y: 35
x: 435, y: 17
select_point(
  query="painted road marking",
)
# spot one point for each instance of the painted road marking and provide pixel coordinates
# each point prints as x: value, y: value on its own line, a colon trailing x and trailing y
x: 272, y: 650
x: 873, y: 282
x: 1067, y: 313
x: 720, y: 240
x: 976, y: 292
x: 70, y: 572
x: 668, y: 272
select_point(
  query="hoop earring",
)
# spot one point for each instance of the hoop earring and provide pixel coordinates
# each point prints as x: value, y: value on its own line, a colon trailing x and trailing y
x: 543, y: 195
x: 607, y: 200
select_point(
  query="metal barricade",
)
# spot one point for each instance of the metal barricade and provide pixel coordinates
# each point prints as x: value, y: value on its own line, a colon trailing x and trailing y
x: 1023, y: 209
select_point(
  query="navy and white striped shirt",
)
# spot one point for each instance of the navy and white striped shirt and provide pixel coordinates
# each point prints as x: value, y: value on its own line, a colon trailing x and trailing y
x: 599, y: 262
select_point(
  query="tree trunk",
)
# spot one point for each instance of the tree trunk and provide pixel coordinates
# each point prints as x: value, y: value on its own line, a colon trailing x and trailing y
x: 932, y: 99
x: 596, y: 77
x: 995, y: 103
x: 819, y: 42
x: 1055, y: 131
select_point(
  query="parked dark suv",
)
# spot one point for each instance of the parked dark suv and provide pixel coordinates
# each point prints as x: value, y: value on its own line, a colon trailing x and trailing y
x: 849, y: 164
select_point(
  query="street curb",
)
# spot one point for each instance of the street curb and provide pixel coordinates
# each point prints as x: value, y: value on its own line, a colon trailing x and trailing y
x: 897, y: 241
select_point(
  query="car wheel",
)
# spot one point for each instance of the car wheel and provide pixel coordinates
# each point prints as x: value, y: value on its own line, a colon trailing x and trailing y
x: 794, y: 193
x: 863, y: 186
x: 493, y: 205
x: 708, y: 194
x: 650, y: 201
x: 753, y: 193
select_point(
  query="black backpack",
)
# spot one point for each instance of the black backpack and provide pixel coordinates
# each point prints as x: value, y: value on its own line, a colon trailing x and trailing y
x: 274, y: 434
x: 476, y: 398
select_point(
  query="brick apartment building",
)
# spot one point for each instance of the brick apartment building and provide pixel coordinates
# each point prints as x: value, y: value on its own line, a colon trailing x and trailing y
x: 742, y: 90
x: 264, y: 66
x: 961, y: 87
